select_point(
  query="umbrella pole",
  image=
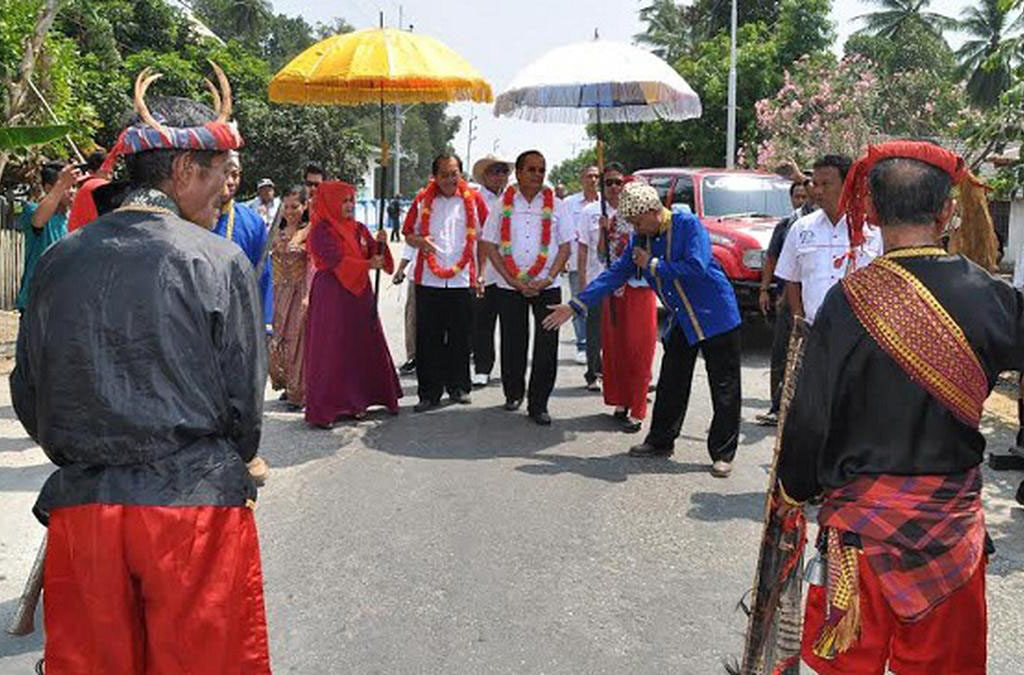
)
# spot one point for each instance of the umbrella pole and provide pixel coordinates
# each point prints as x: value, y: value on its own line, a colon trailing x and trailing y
x: 604, y: 240
x: 380, y: 200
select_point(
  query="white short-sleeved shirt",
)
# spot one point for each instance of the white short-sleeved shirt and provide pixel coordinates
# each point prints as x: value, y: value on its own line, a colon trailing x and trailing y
x: 448, y: 232
x: 1018, y: 269
x: 574, y: 205
x: 590, y: 235
x: 526, y: 232
x: 491, y: 275
x: 815, y: 255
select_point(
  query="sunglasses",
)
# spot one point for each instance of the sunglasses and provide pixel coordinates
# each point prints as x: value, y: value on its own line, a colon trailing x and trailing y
x: 313, y: 183
x: 613, y: 182
x: 499, y: 169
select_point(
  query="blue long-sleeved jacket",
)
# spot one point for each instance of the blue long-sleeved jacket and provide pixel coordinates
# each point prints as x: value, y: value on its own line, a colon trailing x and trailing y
x: 687, y: 279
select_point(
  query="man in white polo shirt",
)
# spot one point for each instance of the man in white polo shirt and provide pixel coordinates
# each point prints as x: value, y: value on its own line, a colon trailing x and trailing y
x: 817, y: 251
x: 444, y: 223
x: 574, y: 205
x: 527, y: 238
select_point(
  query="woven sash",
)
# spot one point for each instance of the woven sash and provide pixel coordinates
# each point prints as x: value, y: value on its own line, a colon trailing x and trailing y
x: 910, y: 325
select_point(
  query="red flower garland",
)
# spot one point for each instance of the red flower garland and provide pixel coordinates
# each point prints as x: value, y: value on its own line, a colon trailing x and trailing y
x: 469, y: 203
x: 618, y: 238
x: 547, y: 209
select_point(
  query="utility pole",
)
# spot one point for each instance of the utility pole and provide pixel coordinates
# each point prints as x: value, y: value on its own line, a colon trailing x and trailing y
x: 398, y: 133
x: 470, y: 137
x: 730, y: 141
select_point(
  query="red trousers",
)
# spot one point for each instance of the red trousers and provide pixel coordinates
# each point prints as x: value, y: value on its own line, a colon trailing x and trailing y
x: 949, y: 639
x: 151, y: 590
x: 629, y: 333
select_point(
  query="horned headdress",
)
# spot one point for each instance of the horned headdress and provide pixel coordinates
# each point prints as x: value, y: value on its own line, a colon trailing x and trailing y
x: 152, y: 133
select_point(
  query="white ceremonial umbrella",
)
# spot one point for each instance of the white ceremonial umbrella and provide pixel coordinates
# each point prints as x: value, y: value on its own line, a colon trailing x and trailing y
x: 595, y: 82
x: 598, y: 81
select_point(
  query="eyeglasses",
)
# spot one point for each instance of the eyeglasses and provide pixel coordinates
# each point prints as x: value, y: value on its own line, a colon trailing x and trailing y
x: 499, y: 169
x: 613, y: 182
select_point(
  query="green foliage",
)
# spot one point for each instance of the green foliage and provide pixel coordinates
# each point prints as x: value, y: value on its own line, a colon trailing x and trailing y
x: 921, y: 50
x: 764, y: 50
x: 895, y: 18
x: 568, y: 172
x: 12, y: 138
x: 992, y: 50
x: 97, y: 47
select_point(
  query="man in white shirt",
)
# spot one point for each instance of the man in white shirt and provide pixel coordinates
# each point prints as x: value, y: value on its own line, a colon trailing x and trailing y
x: 491, y: 174
x: 443, y: 223
x: 408, y: 255
x: 528, y: 248
x: 265, y: 203
x: 574, y: 205
x: 817, y: 251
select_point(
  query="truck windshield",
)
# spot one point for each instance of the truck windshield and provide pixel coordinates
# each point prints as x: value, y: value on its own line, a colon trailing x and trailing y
x: 746, y: 195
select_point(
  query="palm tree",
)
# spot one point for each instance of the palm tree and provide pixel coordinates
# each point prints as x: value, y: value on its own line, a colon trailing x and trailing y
x: 988, y: 56
x: 248, y: 17
x: 669, y: 29
x: 895, y: 16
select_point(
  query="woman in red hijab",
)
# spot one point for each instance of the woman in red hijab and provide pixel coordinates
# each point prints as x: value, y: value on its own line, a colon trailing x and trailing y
x: 348, y: 365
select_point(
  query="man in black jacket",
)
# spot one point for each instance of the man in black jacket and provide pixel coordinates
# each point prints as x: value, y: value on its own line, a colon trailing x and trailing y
x: 140, y: 371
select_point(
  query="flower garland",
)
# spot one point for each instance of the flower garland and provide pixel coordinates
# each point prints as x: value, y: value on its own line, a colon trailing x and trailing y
x: 618, y: 238
x: 505, y: 247
x: 467, y: 259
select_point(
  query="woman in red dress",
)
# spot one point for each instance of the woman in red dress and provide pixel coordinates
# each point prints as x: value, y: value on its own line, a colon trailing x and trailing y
x: 348, y: 365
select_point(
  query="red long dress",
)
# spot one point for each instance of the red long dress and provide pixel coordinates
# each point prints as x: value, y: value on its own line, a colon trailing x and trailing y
x: 348, y: 365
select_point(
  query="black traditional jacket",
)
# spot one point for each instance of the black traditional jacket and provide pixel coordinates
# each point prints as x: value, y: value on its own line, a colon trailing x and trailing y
x: 856, y: 412
x: 141, y: 365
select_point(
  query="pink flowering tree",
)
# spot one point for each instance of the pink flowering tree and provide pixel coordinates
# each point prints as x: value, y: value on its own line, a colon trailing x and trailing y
x: 826, y: 106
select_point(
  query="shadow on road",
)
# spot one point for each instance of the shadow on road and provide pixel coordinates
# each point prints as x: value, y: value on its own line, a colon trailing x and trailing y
x: 14, y: 646
x: 24, y: 478
x: 613, y: 468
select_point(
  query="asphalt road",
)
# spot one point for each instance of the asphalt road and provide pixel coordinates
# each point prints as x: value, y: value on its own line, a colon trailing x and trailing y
x: 469, y: 540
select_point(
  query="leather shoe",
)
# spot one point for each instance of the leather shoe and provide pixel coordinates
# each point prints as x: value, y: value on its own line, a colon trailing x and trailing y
x: 408, y: 367
x: 424, y: 406
x: 630, y: 425
x: 648, y: 450
x: 541, y: 418
x: 513, y: 404
x: 460, y: 397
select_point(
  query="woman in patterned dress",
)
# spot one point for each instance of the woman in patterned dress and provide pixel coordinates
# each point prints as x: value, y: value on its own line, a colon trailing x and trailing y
x: 291, y: 293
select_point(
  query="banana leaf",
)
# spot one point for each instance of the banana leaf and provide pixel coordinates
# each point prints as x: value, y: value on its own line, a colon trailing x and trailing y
x: 12, y: 138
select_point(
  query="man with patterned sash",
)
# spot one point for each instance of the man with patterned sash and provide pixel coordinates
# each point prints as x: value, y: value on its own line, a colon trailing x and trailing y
x: 141, y: 368
x: 884, y: 424
x: 673, y: 253
x: 444, y: 224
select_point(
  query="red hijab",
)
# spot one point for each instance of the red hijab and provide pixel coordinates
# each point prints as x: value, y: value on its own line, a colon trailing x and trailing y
x: 353, y: 239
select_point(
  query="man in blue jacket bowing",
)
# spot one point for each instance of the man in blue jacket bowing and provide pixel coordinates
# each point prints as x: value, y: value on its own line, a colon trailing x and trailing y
x: 673, y: 252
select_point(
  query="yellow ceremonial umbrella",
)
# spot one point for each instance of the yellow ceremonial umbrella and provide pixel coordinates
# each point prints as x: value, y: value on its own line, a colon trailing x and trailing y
x: 379, y: 65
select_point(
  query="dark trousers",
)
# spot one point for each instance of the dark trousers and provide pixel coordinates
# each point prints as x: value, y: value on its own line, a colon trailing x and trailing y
x: 780, y: 349
x: 514, y: 309
x: 722, y: 360
x: 443, y: 327
x: 485, y: 315
x: 594, y: 342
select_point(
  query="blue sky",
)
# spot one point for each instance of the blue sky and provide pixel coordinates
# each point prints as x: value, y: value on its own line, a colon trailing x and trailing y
x: 499, y: 38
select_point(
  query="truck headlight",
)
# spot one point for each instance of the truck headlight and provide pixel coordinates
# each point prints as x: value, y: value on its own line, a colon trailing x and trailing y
x: 753, y: 258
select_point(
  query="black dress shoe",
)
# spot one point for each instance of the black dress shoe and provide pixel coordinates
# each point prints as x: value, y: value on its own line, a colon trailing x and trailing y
x: 424, y: 406
x: 460, y: 397
x: 631, y: 426
x: 541, y: 418
x: 408, y: 367
x: 620, y: 415
x: 1020, y: 494
x: 513, y: 404
x: 648, y: 450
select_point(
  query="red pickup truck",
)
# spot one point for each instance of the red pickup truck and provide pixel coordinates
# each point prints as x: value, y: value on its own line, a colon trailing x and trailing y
x: 739, y: 208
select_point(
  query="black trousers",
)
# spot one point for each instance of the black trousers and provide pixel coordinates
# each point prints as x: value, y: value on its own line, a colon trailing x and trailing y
x: 780, y: 348
x: 514, y: 309
x: 485, y: 316
x: 722, y: 360
x: 443, y: 328
x: 593, y: 342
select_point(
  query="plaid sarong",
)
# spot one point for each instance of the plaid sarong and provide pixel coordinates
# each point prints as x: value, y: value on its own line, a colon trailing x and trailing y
x: 922, y: 535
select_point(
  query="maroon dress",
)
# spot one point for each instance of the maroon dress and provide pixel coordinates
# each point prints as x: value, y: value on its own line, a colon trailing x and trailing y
x: 348, y: 365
